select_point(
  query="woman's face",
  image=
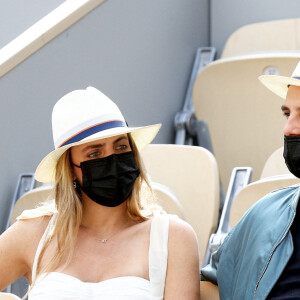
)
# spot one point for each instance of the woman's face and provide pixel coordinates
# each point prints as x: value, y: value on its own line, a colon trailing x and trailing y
x: 98, y: 149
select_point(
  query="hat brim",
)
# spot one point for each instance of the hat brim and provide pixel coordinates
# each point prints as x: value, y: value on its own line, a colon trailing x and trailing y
x: 142, y: 136
x: 278, y: 84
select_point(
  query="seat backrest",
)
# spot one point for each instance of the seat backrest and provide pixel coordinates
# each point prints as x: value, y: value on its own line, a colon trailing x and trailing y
x: 8, y: 296
x: 167, y: 200
x: 244, y: 118
x: 275, y: 165
x: 192, y: 174
x: 255, y: 191
x: 165, y: 196
x: 30, y: 200
x: 281, y: 35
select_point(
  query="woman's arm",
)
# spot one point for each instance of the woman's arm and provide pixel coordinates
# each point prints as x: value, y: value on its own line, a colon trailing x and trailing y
x: 12, y: 256
x: 17, y: 248
x: 182, y: 280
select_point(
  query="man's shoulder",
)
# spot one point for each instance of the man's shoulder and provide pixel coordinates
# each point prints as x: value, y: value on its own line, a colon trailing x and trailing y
x: 246, y: 243
x: 275, y: 206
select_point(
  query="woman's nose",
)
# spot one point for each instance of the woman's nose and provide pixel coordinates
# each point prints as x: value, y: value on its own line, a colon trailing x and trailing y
x: 292, y: 126
x: 109, y: 151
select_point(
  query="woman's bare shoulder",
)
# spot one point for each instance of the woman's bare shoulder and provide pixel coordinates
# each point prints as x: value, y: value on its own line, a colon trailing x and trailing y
x: 47, y: 209
x: 26, y: 231
x: 183, y: 262
x: 180, y: 230
x: 31, y: 224
x: 182, y: 244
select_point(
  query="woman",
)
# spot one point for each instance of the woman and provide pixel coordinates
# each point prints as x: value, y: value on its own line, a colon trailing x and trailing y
x: 101, y: 240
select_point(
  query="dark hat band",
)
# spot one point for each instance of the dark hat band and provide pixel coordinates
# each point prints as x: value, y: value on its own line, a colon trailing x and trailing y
x: 92, y: 130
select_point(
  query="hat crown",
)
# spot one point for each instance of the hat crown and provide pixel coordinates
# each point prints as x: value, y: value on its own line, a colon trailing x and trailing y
x: 80, y: 110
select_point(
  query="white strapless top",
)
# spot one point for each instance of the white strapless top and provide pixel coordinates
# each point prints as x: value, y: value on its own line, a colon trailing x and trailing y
x: 60, y: 286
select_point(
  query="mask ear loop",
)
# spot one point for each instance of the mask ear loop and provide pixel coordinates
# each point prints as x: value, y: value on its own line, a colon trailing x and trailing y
x: 75, y: 182
x: 72, y: 164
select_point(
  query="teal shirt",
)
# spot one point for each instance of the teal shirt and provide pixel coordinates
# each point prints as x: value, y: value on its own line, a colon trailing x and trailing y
x: 256, y: 251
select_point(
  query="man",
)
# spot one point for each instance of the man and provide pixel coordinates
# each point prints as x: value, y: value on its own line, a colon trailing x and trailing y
x: 260, y: 258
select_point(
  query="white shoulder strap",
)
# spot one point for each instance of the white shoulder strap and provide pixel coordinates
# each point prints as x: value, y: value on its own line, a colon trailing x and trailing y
x: 40, y: 246
x: 158, y: 255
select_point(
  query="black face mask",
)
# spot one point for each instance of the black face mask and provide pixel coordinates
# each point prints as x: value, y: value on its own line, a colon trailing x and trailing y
x: 291, y: 154
x: 109, y: 181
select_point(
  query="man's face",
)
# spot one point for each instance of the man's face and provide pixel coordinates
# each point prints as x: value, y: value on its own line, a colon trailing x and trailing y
x: 291, y: 109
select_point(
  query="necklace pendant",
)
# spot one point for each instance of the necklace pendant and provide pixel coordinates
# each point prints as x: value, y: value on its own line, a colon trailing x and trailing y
x: 103, y: 241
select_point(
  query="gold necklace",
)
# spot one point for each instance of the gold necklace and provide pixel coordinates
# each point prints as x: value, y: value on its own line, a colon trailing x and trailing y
x: 104, y: 241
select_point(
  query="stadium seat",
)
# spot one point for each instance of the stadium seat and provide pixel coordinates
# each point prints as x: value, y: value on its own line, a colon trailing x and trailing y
x: 30, y: 200
x: 192, y: 174
x: 283, y: 35
x: 244, y: 118
x: 275, y: 165
x: 35, y: 197
x: 255, y: 191
x: 8, y: 296
x: 167, y: 200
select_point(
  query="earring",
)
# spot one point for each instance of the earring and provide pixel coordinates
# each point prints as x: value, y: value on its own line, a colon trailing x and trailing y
x: 75, y: 184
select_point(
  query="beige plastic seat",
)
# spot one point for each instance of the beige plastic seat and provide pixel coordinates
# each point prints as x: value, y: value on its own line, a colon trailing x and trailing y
x: 281, y: 35
x: 167, y: 200
x: 244, y: 118
x: 209, y: 291
x: 255, y: 191
x: 8, y: 296
x: 192, y: 174
x: 30, y: 200
x: 165, y: 196
x: 275, y: 165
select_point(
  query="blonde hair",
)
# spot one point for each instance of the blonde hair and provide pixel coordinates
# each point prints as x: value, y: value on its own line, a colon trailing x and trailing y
x: 69, y: 207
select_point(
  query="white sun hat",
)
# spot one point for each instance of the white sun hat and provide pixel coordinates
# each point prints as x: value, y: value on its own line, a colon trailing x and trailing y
x: 280, y: 84
x: 84, y: 116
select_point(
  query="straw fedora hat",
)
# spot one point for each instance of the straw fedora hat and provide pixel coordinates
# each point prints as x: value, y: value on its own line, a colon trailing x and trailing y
x: 280, y: 84
x: 84, y: 116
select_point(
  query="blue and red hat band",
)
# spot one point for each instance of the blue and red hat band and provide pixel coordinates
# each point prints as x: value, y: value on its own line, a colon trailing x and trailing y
x: 92, y: 130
